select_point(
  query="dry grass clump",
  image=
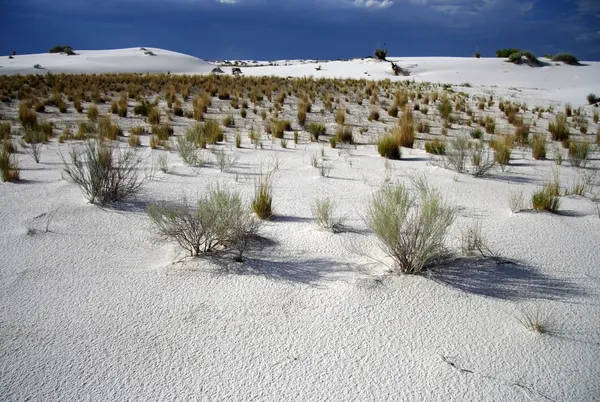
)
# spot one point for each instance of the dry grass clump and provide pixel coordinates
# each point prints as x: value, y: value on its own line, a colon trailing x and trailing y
x: 278, y: 127
x: 538, y: 147
x: 546, y: 199
x: 340, y: 116
x: 374, y: 115
x: 92, y: 113
x: 9, y: 166
x: 27, y: 117
x: 344, y: 135
x: 579, y: 153
x: 490, y: 125
x: 389, y: 147
x: 323, y: 211
x: 162, y: 131
x: 107, y: 129
x: 503, y: 149
x: 153, y: 115
x: 5, y: 130
x: 559, y: 128
x: 435, y: 147
x: 404, y: 131
x: 262, y: 204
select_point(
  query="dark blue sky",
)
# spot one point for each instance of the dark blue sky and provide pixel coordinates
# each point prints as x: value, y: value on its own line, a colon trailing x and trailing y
x: 285, y: 29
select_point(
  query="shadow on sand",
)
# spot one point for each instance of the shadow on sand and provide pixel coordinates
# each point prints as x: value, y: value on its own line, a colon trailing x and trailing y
x: 502, y: 279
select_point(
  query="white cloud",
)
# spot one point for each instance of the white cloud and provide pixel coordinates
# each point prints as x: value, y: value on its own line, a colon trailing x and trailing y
x: 373, y: 3
x: 227, y: 1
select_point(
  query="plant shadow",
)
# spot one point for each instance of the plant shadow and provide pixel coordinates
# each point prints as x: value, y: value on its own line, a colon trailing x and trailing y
x: 502, y: 279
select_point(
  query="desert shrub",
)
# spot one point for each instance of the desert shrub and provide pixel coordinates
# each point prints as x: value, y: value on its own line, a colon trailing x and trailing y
x: 344, y: 135
x: 458, y: 154
x: 531, y: 57
x: 9, y: 146
x: 114, y: 107
x: 134, y: 140
x: 389, y: 147
x: 142, y: 108
x: 77, y: 106
x: 423, y: 126
x: 559, y: 128
x: 5, y: 130
x: 262, y: 204
x: 566, y: 58
x: 381, y: 54
x: 162, y: 131
x: 9, y: 166
x: 213, y: 132
x: 490, y: 125
x: 481, y: 160
x: 503, y: 149
x: 62, y: 49
x: 545, y: 200
x: 153, y: 115
x: 477, y: 133
x: 92, y: 113
x: 393, y: 111
x: 405, y: 129
x: 84, y: 128
x: 445, y: 107
x: 106, y: 129
x: 104, y: 174
x: 504, y: 53
x: 33, y: 139
x: 301, y: 116
x: 219, y: 220
x: 538, y: 146
x: 592, y: 98
x: 340, y: 116
x: 333, y: 142
x: 476, y: 55
x: 522, y: 134
x: 515, y: 57
x: 412, y: 230
x: 473, y: 243
x: 189, y: 151
x: 316, y: 130
x: 374, y: 115
x: 27, y: 117
x: 435, y: 147
x: 228, y: 121
x: 278, y: 127
x: 323, y: 211
x: 579, y: 153
x: 568, y: 110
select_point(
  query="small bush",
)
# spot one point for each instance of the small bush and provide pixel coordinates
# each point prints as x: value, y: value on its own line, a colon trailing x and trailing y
x: 393, y: 111
x: 374, y: 115
x: 142, y: 108
x: 504, y: 53
x: 435, y: 147
x: 458, y: 154
x: 62, y: 49
x: 213, y: 132
x: 323, y: 211
x: 278, y: 127
x: 559, y: 128
x: 490, y: 125
x: 228, y: 121
x: 477, y: 134
x: 592, y: 98
x: 162, y: 131
x: 316, y: 130
x: 134, y: 140
x: 340, y: 116
x: 411, y: 229
x: 35, y: 138
x: 566, y: 58
x: 77, y: 106
x: 219, y: 220
x: 538, y: 147
x: 153, y: 115
x: 104, y: 174
x: 503, y: 150
x: 381, y: 54
x: 189, y: 151
x: 301, y: 117
x: 389, y: 147
x: 106, y: 129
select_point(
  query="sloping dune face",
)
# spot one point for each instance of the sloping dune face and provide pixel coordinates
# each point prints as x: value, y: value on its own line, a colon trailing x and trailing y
x: 132, y: 60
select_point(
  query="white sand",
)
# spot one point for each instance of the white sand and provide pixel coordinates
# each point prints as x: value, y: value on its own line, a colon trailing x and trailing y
x: 97, y: 309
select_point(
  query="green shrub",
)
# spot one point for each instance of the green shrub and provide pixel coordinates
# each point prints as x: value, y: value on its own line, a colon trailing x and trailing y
x: 62, y: 49
x: 477, y: 134
x: 323, y: 211
x: 566, y: 58
x: 412, y: 229
x: 515, y: 57
x: 458, y: 154
x: 219, y: 220
x: 316, y: 130
x: 381, y: 54
x: 389, y: 147
x: 504, y: 53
